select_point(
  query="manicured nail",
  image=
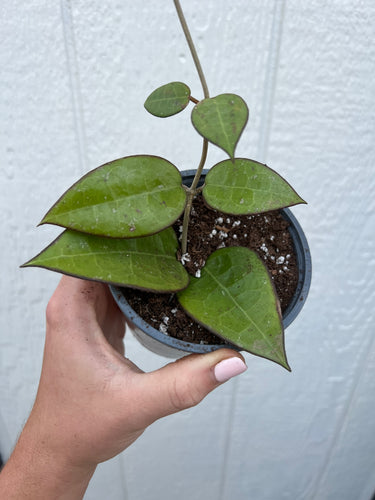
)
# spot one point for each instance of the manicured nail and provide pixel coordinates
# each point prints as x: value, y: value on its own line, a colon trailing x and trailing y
x: 229, y: 368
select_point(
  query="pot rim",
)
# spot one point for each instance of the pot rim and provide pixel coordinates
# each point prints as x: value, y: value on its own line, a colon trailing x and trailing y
x: 303, y: 256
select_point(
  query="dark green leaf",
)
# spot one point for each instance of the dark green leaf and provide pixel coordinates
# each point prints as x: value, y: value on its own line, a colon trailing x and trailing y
x: 246, y: 187
x: 221, y: 120
x: 168, y: 100
x: 235, y: 298
x: 126, y: 198
x: 147, y: 263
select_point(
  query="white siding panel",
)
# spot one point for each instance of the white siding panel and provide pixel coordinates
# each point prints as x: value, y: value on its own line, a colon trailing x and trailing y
x: 75, y: 76
x: 322, y: 141
x: 38, y: 160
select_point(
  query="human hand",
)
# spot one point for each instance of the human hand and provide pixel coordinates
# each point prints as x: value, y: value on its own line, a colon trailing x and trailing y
x: 92, y: 402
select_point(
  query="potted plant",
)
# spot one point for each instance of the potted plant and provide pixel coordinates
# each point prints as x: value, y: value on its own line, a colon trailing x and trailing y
x: 119, y: 219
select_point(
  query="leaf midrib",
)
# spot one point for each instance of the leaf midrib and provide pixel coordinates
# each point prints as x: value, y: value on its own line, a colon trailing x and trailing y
x: 122, y: 252
x: 243, y: 311
x: 115, y: 199
x: 171, y: 98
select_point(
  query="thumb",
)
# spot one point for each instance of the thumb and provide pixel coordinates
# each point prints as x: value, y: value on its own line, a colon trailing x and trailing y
x: 185, y: 382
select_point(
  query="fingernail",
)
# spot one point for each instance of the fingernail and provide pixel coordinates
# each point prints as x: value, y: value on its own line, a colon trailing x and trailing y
x: 229, y: 368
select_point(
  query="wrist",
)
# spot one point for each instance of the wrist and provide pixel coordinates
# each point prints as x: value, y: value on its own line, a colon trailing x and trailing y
x: 34, y: 471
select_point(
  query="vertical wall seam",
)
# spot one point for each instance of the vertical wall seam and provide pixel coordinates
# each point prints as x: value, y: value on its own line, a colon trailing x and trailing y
x: 124, y: 486
x: 339, y: 428
x: 264, y: 136
x: 77, y: 104
x: 271, y: 79
x: 74, y: 81
x: 228, y: 440
x: 5, y: 441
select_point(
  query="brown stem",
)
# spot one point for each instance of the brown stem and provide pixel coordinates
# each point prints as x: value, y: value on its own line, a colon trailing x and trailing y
x: 191, y: 47
x: 191, y: 192
x: 193, y: 189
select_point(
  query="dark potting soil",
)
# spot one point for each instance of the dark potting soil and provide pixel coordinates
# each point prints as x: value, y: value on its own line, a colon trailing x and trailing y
x: 267, y: 234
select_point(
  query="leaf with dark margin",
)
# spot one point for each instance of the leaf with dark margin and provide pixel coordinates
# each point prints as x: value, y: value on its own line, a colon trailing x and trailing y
x: 126, y: 198
x: 246, y: 187
x: 235, y: 298
x: 168, y: 100
x: 147, y: 263
x: 221, y: 120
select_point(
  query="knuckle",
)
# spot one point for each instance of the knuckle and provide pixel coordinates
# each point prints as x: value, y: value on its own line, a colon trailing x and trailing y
x: 53, y: 312
x: 184, y: 395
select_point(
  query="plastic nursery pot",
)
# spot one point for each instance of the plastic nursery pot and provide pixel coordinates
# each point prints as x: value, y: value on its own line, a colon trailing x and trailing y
x: 164, y: 345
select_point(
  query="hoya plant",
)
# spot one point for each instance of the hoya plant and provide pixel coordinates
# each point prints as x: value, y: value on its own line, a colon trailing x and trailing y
x: 118, y: 223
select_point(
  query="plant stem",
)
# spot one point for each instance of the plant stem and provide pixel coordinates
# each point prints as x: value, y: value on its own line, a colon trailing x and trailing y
x: 190, y: 196
x: 193, y: 189
x: 193, y: 99
x: 191, y: 47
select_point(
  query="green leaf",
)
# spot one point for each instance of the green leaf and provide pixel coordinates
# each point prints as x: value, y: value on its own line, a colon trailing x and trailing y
x: 147, y: 263
x: 221, y: 120
x: 168, y: 100
x: 235, y: 298
x: 126, y: 198
x: 246, y: 187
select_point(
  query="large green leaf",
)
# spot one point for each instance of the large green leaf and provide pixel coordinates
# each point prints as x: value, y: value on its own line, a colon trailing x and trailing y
x: 246, y: 187
x: 221, y: 120
x: 147, y: 263
x: 235, y: 298
x: 126, y: 198
x: 168, y: 100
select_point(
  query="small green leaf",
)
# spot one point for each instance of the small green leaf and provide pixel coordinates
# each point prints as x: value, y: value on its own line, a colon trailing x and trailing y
x: 246, y: 187
x: 147, y: 263
x: 126, y: 198
x: 235, y: 298
x: 168, y: 100
x: 221, y: 120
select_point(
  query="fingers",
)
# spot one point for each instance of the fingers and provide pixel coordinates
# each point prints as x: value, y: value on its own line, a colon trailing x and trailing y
x: 78, y: 314
x: 73, y: 299
x: 186, y: 382
x: 80, y: 306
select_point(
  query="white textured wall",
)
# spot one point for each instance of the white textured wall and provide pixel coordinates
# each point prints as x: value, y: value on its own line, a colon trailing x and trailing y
x: 74, y: 76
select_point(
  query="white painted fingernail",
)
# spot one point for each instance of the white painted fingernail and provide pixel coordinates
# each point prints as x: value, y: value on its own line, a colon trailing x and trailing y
x: 229, y: 368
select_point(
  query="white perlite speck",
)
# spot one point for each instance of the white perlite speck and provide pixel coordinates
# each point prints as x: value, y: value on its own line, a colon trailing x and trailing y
x: 163, y: 328
x: 185, y: 258
x: 280, y: 260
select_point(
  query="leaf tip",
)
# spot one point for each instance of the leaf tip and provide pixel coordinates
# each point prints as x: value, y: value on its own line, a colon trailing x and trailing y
x: 282, y: 360
x: 286, y: 366
x: 46, y: 219
x: 29, y: 263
